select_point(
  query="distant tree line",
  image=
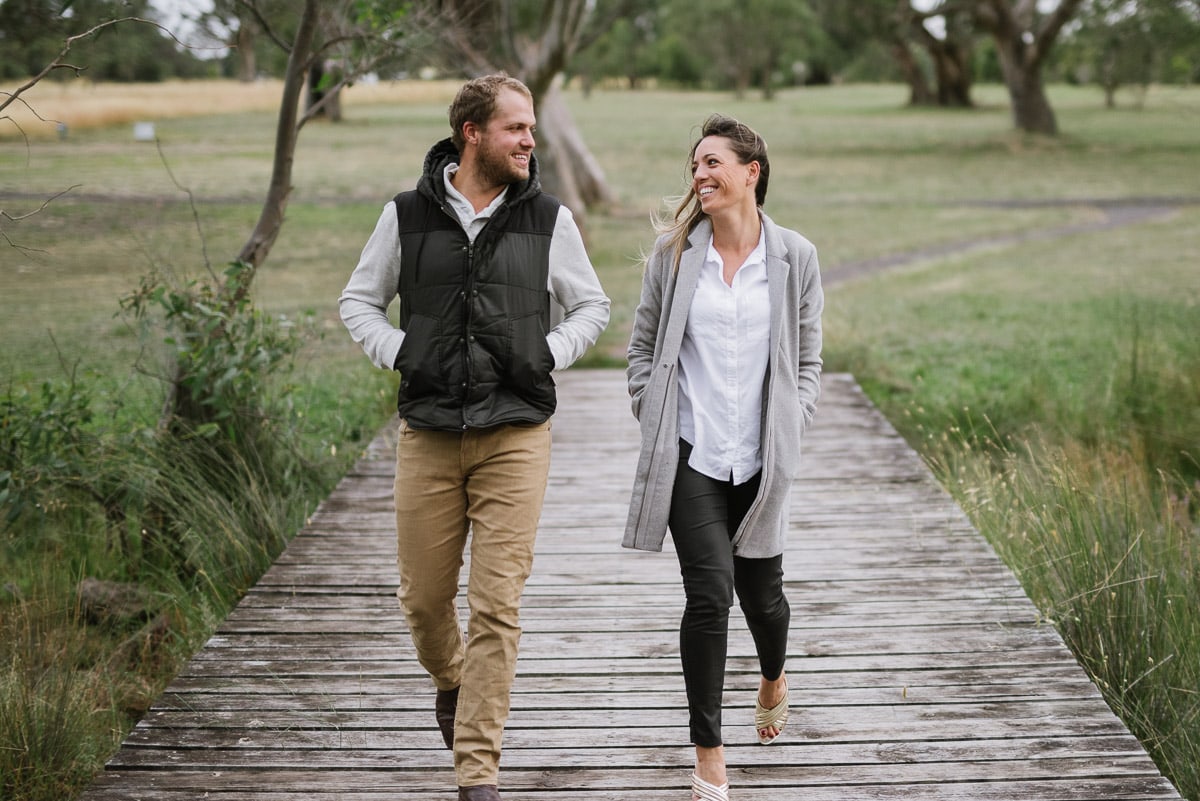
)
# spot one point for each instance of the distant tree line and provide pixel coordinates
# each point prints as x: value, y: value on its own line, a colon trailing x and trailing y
x: 938, y: 47
x: 32, y: 33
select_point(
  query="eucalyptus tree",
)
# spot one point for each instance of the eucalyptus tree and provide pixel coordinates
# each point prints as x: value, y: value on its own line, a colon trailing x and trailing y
x: 533, y: 41
x: 1024, y: 35
x: 932, y: 49
x: 745, y: 43
x: 1120, y: 43
x: 948, y: 38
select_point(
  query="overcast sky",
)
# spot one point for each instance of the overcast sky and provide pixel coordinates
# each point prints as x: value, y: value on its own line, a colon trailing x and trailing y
x: 175, y: 12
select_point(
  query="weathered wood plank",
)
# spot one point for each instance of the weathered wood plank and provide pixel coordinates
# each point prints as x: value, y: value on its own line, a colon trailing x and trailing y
x: 620, y: 785
x: 919, y: 668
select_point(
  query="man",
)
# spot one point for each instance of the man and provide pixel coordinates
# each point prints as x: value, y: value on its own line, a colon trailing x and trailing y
x: 475, y: 254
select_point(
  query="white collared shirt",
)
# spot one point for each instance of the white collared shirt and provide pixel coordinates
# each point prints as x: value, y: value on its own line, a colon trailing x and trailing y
x: 722, y: 367
x: 472, y: 221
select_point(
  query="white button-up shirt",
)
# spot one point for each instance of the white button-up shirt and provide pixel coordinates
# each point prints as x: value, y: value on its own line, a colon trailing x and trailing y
x: 722, y: 368
x: 472, y: 221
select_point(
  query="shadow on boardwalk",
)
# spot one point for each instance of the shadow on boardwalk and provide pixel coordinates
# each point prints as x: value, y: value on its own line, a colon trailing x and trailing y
x: 919, y: 669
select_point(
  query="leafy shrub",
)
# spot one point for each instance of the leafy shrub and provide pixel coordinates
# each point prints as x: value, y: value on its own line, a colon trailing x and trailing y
x: 43, y: 443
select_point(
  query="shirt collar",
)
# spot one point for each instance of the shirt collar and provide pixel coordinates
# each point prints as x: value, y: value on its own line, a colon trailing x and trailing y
x: 757, y: 256
x: 460, y: 200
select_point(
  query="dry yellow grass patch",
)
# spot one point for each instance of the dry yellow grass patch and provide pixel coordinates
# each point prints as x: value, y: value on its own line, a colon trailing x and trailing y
x: 84, y: 104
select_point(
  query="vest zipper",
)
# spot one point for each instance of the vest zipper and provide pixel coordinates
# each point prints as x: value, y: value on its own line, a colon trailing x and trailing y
x: 468, y: 372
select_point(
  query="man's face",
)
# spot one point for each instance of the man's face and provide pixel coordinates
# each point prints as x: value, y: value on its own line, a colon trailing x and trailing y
x: 506, y: 143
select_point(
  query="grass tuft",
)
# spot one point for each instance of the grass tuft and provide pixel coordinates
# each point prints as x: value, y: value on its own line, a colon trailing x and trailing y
x: 1111, y: 555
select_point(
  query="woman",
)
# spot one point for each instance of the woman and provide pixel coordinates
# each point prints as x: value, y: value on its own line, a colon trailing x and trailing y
x: 724, y: 374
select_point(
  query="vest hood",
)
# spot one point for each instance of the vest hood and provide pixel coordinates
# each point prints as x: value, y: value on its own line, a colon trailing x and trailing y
x: 444, y: 152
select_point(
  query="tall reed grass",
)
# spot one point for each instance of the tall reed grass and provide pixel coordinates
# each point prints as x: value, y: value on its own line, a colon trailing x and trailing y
x: 197, y: 520
x: 1110, y: 553
x: 57, y: 721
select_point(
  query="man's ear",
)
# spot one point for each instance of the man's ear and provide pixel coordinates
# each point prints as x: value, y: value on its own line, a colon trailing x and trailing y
x: 471, y: 133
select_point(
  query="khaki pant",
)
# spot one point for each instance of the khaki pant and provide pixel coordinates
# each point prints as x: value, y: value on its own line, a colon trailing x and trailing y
x: 490, y: 482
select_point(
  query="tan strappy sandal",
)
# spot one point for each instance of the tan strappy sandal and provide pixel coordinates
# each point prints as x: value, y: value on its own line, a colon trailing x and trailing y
x: 773, y: 718
x: 703, y: 791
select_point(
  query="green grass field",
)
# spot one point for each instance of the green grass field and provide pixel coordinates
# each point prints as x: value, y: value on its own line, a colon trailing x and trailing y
x: 1031, y: 374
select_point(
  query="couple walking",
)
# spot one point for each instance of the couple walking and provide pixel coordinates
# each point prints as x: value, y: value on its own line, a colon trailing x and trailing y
x: 724, y: 368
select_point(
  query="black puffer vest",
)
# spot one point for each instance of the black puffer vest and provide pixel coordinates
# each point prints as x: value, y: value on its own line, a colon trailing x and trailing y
x: 475, y: 316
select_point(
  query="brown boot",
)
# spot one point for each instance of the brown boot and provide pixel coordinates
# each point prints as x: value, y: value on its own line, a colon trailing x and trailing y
x: 443, y: 709
x: 479, y: 792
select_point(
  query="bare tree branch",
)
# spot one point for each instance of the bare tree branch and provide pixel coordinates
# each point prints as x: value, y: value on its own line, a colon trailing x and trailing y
x: 265, y: 24
x: 1054, y: 23
x: 191, y: 204
x: 17, y: 218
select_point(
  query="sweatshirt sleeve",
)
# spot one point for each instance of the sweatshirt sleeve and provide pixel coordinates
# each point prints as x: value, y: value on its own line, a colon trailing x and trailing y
x: 575, y: 287
x: 372, y: 287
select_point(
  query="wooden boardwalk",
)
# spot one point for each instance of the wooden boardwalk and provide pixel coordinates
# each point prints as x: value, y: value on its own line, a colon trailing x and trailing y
x: 918, y: 667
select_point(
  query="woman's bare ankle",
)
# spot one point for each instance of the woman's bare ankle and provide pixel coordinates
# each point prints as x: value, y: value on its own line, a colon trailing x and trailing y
x: 710, y: 764
x: 770, y: 693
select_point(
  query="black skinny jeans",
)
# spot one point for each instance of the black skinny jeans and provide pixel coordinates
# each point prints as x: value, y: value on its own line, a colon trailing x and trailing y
x: 705, y: 514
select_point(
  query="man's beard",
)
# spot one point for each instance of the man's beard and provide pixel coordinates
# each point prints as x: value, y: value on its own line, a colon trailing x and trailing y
x: 497, y: 168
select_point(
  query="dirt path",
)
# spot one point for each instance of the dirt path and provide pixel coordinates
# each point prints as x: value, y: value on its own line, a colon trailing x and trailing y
x: 1118, y: 212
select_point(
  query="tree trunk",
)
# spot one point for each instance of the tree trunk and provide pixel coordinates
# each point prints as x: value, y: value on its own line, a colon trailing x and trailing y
x: 1031, y: 107
x: 952, y: 66
x: 247, y: 61
x: 1023, y: 76
x: 1110, y: 95
x: 323, y: 80
x: 569, y: 170
x: 270, y: 220
x: 181, y: 404
x: 769, y: 65
x: 1022, y: 43
x: 741, y: 79
x: 919, y: 93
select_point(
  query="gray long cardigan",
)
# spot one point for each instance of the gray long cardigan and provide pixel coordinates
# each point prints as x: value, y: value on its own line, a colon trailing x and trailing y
x: 789, y: 402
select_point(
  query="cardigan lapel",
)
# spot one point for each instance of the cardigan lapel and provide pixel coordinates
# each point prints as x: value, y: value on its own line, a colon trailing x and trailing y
x: 777, y: 270
x: 686, y: 280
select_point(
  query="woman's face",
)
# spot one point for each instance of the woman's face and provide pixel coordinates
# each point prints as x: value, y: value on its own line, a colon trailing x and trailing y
x: 719, y: 179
